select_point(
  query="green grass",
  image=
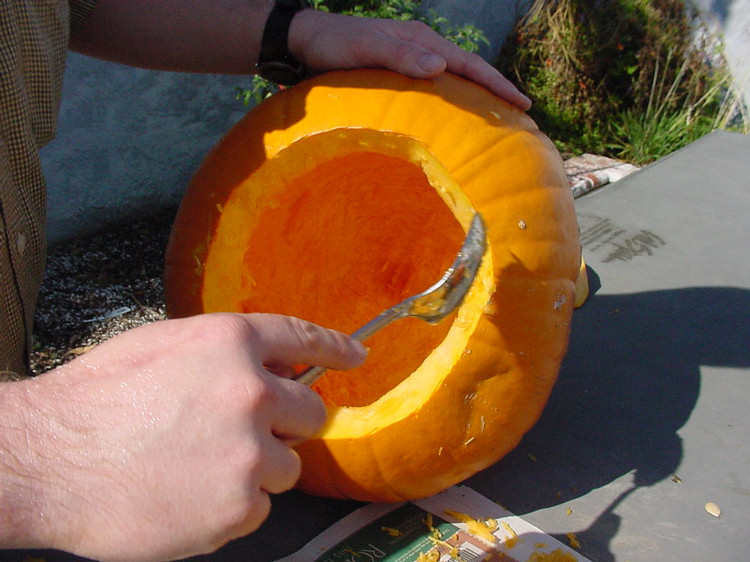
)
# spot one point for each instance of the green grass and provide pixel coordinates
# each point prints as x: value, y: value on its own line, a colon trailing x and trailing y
x: 631, y: 79
x: 670, y: 120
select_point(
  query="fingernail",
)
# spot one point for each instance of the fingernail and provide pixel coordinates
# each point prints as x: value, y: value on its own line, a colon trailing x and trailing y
x: 431, y: 63
x: 360, y: 349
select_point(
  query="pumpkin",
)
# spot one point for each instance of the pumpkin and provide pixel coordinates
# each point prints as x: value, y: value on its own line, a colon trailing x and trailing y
x: 345, y: 194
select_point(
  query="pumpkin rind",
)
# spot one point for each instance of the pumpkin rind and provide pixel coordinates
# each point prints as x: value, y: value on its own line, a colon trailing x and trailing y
x: 510, y: 335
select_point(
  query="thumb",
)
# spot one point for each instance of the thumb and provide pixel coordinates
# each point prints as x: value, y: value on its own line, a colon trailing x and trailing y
x: 421, y: 64
x: 404, y: 56
x: 408, y: 58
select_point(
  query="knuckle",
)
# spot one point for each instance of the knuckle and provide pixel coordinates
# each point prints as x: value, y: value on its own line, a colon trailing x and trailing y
x: 404, y: 52
x: 418, y: 28
x: 474, y: 60
x: 242, y: 516
x: 272, y: 476
x: 261, y: 508
x: 292, y: 473
x: 466, y: 62
x: 359, y: 45
x: 233, y: 515
x: 252, y: 463
x: 244, y: 395
x: 260, y: 397
x: 220, y: 329
x: 309, y: 336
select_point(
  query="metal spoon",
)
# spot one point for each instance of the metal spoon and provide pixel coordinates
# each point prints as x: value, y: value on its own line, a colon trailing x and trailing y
x: 435, y: 303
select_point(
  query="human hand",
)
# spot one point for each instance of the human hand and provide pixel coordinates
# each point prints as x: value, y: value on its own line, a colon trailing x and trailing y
x: 332, y: 41
x: 166, y: 441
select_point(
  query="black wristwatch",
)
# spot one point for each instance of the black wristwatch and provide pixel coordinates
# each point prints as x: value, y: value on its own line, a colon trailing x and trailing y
x: 275, y: 62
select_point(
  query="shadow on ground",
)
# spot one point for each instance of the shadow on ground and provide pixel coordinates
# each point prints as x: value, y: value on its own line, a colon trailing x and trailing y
x: 629, y: 382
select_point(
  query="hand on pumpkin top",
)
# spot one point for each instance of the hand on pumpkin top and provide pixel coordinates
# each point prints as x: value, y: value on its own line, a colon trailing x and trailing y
x: 330, y: 41
x: 224, y: 36
x: 165, y: 441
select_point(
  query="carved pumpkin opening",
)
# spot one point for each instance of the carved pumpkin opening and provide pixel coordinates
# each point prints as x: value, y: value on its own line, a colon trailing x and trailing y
x: 298, y: 242
x: 351, y: 191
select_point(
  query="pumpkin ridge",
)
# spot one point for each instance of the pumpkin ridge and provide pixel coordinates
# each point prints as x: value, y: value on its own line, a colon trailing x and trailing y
x: 495, y: 140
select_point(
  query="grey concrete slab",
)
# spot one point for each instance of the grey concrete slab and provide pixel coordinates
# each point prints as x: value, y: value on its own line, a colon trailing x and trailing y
x: 495, y: 18
x: 128, y: 142
x: 649, y: 420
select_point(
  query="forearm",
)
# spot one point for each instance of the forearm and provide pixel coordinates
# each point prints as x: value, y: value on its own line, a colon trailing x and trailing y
x: 224, y: 36
x: 220, y: 36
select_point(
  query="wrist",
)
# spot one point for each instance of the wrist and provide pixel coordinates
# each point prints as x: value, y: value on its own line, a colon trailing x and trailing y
x: 276, y: 61
x: 300, y: 30
x: 36, y: 471
x: 22, y: 504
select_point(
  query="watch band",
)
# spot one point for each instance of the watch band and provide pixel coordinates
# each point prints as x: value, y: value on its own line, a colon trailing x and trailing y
x: 275, y: 62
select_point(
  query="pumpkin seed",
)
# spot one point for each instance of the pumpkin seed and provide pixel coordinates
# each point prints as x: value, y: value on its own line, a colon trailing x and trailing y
x: 713, y: 509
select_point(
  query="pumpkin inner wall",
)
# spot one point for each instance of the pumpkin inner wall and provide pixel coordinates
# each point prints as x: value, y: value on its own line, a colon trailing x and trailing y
x: 343, y: 241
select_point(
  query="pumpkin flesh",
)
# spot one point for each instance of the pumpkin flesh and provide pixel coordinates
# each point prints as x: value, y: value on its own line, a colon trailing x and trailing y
x: 347, y: 213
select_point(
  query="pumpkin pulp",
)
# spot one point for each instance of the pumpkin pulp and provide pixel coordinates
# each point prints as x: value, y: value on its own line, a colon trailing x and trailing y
x: 362, y: 189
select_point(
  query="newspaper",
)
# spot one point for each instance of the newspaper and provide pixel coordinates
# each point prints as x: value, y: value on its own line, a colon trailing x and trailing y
x: 456, y: 525
x: 588, y: 172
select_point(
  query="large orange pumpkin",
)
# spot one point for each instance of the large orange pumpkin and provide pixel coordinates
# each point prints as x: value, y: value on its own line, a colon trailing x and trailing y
x: 347, y: 193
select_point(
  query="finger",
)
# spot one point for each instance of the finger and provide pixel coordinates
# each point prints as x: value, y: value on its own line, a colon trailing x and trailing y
x: 297, y: 412
x: 284, y: 340
x: 282, y: 468
x: 256, y: 512
x: 412, y: 49
x: 394, y: 45
x: 288, y: 412
x: 468, y: 65
x: 475, y: 68
x: 333, y: 41
x: 283, y: 371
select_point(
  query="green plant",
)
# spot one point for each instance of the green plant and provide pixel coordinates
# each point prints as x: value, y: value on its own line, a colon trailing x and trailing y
x: 466, y: 36
x: 603, y: 81
x: 259, y: 89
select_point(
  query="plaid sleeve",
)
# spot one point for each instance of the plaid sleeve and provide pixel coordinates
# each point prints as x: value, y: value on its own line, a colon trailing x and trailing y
x: 79, y: 13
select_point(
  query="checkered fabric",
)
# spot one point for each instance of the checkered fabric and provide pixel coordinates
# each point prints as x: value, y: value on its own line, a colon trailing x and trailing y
x: 33, y: 44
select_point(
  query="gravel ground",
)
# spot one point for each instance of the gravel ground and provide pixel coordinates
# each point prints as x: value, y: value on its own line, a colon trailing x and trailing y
x: 101, y: 285
x: 97, y: 287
